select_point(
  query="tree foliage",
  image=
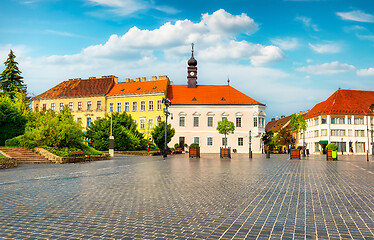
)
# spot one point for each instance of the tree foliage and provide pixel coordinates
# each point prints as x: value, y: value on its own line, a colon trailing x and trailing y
x: 126, y: 135
x: 270, y: 140
x: 11, y: 79
x: 12, y: 121
x: 158, y: 135
x: 332, y: 146
x: 225, y: 127
x: 285, y: 137
x: 297, y: 123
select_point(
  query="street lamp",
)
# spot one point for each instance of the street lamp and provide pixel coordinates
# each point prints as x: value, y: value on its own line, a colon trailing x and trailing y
x: 342, y: 146
x: 111, y: 137
x: 250, y: 144
x: 372, y: 144
x: 304, y: 147
x: 167, y: 103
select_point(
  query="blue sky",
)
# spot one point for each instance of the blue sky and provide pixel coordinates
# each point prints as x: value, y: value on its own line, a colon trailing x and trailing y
x: 288, y: 54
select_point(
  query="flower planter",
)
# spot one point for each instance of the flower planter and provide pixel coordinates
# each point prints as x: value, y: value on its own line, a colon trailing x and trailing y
x: 332, y: 155
x: 295, y: 154
x: 225, y: 152
x: 194, y: 152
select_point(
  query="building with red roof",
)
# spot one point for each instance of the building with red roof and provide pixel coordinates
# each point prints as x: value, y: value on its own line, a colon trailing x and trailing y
x: 345, y: 118
x: 196, y: 110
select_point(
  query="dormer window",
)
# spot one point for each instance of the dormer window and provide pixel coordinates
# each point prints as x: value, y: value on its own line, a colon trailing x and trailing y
x: 223, y: 99
x: 194, y: 99
x: 371, y: 108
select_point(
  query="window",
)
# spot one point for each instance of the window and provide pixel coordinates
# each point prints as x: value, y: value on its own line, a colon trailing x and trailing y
x: 359, y: 121
x: 52, y: 106
x: 61, y: 106
x: 142, y: 106
x: 209, y: 141
x: 240, y: 141
x: 159, y: 105
x: 181, y: 121
x: 98, y: 105
x: 261, y: 122
x: 337, y: 120
x: 111, y: 106
x: 350, y: 133
x: 323, y: 120
x: 195, y: 121
x: 359, y: 133
x: 88, y: 121
x: 255, y: 122
x: 98, y: 118
x: 360, y: 147
x: 223, y: 118
x: 316, y: 133
x: 316, y: 147
x: 79, y: 120
x: 338, y: 132
x: 127, y: 107
x: 45, y: 107
x: 196, y: 140
x: 150, y: 105
x: 71, y: 106
x: 142, y: 123
x: 341, y: 146
x: 210, y: 121
x: 224, y: 141
x: 238, y: 122
x: 316, y: 122
x: 79, y: 106
x: 134, y: 106
x: 119, y: 107
x: 150, y: 123
x: 323, y: 132
x: 36, y: 106
x: 89, y: 105
x: 349, y: 120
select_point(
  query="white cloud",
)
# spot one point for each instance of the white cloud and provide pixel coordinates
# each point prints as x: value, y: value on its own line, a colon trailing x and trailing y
x: 327, y: 68
x: 286, y: 43
x: 126, y: 7
x: 307, y: 22
x: 330, y: 47
x: 357, y: 15
x: 366, y: 37
x: 365, y: 72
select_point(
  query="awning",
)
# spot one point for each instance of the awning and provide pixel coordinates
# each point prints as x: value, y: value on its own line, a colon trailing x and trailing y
x: 323, y: 142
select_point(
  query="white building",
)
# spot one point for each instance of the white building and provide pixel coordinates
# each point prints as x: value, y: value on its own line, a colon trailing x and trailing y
x: 345, y: 118
x: 197, y: 109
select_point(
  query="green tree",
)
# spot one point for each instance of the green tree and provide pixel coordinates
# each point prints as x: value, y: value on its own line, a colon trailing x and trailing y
x: 284, y: 137
x: 126, y: 135
x: 11, y: 79
x: 12, y: 122
x: 158, y: 135
x: 270, y: 140
x: 297, y: 123
x: 225, y: 127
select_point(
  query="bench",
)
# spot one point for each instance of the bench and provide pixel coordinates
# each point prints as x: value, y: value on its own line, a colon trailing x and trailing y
x: 76, y: 155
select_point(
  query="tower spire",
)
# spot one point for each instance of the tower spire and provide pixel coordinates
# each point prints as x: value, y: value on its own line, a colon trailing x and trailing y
x: 192, y: 70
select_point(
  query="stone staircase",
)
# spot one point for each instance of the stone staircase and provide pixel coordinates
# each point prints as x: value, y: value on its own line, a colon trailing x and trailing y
x: 24, y: 156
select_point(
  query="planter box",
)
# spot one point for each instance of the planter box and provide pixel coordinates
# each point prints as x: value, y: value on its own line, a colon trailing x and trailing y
x: 332, y: 155
x: 225, y: 152
x: 194, y: 152
x: 295, y: 154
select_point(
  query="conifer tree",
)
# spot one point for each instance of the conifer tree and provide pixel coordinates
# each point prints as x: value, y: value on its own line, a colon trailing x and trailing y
x: 11, y: 79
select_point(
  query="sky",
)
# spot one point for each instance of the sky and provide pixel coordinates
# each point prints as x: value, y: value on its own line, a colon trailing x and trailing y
x: 287, y: 54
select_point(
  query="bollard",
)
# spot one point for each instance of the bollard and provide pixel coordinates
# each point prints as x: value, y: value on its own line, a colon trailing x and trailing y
x: 268, y: 154
x: 111, y: 146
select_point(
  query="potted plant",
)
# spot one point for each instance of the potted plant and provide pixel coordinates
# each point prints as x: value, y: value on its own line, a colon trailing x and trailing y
x: 225, y: 127
x: 332, y: 151
x: 194, y: 150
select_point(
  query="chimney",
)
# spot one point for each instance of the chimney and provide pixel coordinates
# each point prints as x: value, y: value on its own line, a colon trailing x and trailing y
x: 154, y: 78
x: 103, y: 76
x: 92, y: 78
x: 144, y: 79
x: 164, y: 77
x: 127, y: 79
x: 282, y: 116
x: 115, y: 79
x: 273, y: 119
x: 171, y: 82
x: 137, y: 80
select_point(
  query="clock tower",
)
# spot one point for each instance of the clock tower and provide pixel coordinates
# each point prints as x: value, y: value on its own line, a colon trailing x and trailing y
x: 192, y: 71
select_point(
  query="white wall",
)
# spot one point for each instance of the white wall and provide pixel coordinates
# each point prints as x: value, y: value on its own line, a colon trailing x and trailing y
x: 246, y: 112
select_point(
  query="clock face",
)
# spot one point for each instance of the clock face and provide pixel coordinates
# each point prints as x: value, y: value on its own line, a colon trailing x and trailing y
x: 192, y: 73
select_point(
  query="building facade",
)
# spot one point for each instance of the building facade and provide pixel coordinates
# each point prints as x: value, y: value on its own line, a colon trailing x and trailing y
x: 195, y: 111
x: 141, y: 99
x: 86, y: 98
x: 345, y: 118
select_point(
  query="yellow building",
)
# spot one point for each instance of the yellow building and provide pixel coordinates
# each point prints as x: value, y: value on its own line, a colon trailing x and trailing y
x: 86, y: 98
x: 140, y: 98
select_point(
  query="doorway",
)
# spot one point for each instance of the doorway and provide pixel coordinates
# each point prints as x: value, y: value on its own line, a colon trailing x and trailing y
x: 181, y: 143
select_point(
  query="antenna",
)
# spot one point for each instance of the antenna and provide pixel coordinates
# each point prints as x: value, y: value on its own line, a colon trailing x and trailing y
x: 228, y: 80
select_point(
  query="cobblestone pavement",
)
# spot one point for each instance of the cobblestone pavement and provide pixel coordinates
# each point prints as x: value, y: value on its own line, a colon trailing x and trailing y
x: 179, y: 198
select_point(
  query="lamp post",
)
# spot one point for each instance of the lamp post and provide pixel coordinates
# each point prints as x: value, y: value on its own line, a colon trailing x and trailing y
x: 304, y: 147
x: 166, y: 101
x: 342, y: 146
x: 111, y: 137
x: 250, y: 144
x: 372, y: 132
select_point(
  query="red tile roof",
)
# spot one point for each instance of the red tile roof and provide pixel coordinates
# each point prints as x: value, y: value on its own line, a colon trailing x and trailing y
x: 345, y: 102
x: 208, y: 94
x: 80, y: 87
x: 139, y: 87
x: 276, y: 125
